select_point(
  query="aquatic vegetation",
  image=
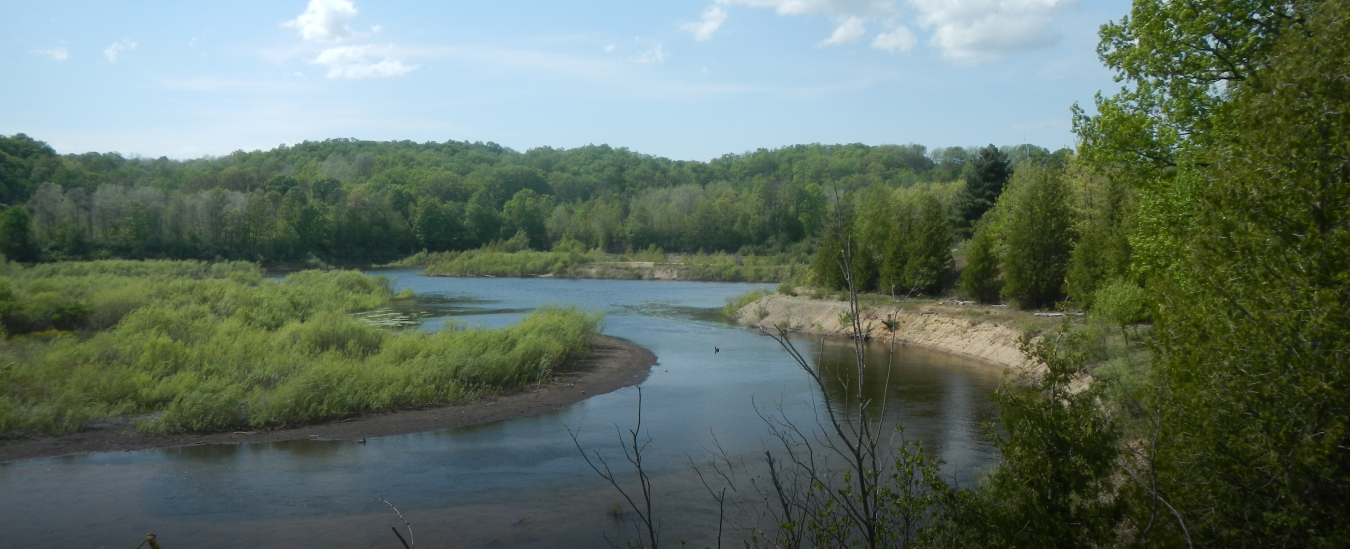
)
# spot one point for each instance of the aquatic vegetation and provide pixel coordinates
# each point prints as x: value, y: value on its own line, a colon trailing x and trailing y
x: 203, y: 347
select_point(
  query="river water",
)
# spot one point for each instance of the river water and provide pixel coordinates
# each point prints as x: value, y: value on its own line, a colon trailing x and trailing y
x: 515, y: 483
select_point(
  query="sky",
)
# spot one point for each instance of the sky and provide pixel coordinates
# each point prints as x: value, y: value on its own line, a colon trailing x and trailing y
x: 688, y: 80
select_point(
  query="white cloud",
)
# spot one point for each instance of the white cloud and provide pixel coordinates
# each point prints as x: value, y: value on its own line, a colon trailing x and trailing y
x: 59, y: 53
x: 850, y: 16
x: 838, y: 9
x: 656, y: 54
x: 900, y: 39
x: 971, y: 31
x: 609, y: 48
x: 115, y: 50
x: 965, y: 31
x: 850, y: 29
x: 707, y: 24
x: 325, y: 21
x: 357, y: 62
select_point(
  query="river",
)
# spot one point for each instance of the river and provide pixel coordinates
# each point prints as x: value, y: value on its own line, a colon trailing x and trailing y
x: 515, y: 483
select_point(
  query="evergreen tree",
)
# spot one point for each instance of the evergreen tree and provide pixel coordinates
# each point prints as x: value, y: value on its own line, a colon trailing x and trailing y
x: 984, y: 183
x: 826, y: 267
x: 16, y: 235
x: 979, y: 280
x: 1040, y: 239
x: 930, y: 264
x: 893, y: 276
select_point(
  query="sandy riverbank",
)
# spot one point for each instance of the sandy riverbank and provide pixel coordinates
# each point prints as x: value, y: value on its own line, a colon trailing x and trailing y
x: 950, y: 329
x: 612, y: 364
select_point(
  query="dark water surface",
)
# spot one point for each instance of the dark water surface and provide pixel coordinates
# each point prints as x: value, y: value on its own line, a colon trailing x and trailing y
x: 513, y: 483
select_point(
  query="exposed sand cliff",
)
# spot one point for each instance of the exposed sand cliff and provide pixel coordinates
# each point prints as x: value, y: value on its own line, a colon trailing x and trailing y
x: 945, y: 328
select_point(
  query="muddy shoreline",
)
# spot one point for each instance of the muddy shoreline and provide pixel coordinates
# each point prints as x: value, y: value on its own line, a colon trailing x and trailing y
x: 612, y: 364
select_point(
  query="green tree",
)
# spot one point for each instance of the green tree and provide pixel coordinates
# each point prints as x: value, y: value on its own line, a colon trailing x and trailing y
x: 871, y: 229
x: 1054, y: 487
x: 25, y: 163
x: 987, y: 176
x: 894, y: 277
x: 482, y: 217
x: 1103, y: 249
x: 1181, y: 61
x: 930, y: 266
x: 827, y: 265
x: 811, y: 210
x: 526, y: 211
x: 979, y: 280
x: 1251, y: 336
x: 16, y: 235
x: 1040, y: 235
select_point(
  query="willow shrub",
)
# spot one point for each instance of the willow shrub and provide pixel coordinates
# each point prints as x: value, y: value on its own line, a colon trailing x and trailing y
x: 203, y: 348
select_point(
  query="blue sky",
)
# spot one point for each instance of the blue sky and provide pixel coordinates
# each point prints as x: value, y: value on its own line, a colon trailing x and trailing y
x: 686, y: 80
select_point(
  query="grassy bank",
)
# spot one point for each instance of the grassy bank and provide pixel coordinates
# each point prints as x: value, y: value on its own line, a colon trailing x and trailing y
x: 205, y: 347
x: 594, y: 264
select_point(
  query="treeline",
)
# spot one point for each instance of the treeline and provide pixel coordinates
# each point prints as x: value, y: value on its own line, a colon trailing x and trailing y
x: 1035, y: 233
x: 358, y: 201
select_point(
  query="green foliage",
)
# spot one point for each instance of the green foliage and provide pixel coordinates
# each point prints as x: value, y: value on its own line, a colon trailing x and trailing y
x: 350, y: 201
x: 1182, y: 61
x: 206, y: 347
x: 568, y: 259
x: 899, y: 244
x: 984, y: 184
x: 1102, y: 252
x: 16, y: 235
x: 980, y: 279
x: 1121, y: 303
x: 826, y: 267
x: 1251, y: 336
x: 24, y: 164
x: 1054, y: 487
x: 734, y: 305
x: 930, y: 267
x: 1039, y: 238
x: 872, y: 228
x: 522, y: 263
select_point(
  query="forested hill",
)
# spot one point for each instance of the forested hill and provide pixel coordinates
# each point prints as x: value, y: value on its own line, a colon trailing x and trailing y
x: 350, y: 200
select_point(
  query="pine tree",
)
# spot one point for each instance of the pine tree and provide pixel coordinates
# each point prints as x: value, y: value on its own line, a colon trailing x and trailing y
x: 989, y: 173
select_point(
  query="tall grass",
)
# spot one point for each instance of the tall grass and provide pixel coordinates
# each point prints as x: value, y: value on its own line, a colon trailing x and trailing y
x: 735, y: 304
x: 595, y: 264
x: 201, y: 347
x: 524, y: 263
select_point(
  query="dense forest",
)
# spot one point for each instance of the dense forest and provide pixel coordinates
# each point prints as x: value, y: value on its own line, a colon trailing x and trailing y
x: 354, y: 201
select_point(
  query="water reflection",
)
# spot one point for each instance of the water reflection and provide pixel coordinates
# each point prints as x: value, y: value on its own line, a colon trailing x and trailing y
x: 513, y: 483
